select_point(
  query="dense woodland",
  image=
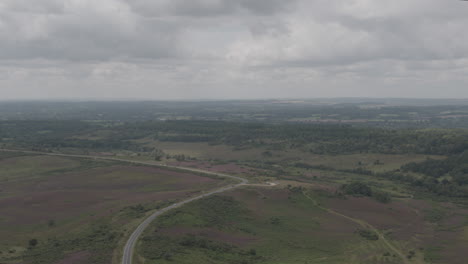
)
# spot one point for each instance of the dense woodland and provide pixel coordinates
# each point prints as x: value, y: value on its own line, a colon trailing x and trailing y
x: 444, y: 177
x: 315, y: 138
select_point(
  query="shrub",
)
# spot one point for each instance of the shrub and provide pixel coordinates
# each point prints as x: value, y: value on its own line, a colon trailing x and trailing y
x: 357, y: 189
x: 275, y: 221
x: 368, y: 234
x: 33, y: 242
x: 382, y: 197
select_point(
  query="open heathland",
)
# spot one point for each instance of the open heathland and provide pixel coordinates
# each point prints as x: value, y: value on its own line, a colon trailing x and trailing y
x: 291, y: 225
x: 50, y: 198
x: 341, y: 182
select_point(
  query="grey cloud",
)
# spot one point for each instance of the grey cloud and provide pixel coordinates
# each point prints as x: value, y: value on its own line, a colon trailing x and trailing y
x: 232, y: 48
x: 24, y: 6
x: 330, y: 34
x: 109, y: 31
x: 209, y: 8
x: 268, y: 7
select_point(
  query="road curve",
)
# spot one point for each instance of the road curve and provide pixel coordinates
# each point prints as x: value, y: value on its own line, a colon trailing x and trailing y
x: 130, y: 245
x: 132, y: 240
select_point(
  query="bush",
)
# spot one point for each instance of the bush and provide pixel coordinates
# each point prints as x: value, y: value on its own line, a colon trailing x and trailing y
x: 357, y: 189
x: 382, y: 197
x: 33, y: 242
x: 368, y: 234
x: 275, y: 221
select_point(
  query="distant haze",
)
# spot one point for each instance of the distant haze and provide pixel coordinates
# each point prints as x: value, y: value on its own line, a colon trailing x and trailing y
x: 232, y: 49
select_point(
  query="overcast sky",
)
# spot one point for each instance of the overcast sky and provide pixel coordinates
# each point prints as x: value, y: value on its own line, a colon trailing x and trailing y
x: 219, y: 49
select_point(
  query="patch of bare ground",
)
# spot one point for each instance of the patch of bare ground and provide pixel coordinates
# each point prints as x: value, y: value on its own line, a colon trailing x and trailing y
x: 221, y: 168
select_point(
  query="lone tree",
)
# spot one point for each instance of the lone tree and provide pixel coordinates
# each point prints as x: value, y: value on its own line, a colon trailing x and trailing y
x: 33, y: 242
x: 158, y: 154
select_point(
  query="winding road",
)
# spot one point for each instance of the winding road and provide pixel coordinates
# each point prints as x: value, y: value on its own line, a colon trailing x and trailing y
x: 132, y: 240
x: 130, y: 245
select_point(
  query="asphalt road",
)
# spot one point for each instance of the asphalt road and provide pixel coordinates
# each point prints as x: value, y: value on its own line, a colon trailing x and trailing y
x: 131, y: 242
x: 130, y: 245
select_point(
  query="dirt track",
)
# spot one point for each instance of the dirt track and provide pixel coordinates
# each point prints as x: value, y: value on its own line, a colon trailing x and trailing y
x: 365, y: 225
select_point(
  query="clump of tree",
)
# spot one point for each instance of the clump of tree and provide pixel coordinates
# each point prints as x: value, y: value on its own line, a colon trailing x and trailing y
x: 447, y: 177
x: 158, y: 154
x: 295, y: 189
x: 358, y: 188
x: 383, y: 197
x: 455, y: 166
x: 442, y: 187
x: 180, y: 157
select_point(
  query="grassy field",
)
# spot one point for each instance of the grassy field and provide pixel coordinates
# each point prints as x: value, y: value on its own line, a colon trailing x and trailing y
x: 30, y: 167
x: 282, y: 225
x: 80, y: 211
x: 366, y: 161
x: 374, y: 162
x: 204, y: 151
x: 80, y: 208
x: 408, y: 223
x: 261, y: 226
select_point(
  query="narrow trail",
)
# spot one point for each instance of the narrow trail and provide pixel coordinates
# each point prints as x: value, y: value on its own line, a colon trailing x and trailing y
x: 363, y: 224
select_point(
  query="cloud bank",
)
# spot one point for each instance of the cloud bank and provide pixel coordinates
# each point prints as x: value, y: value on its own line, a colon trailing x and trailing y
x: 215, y: 49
